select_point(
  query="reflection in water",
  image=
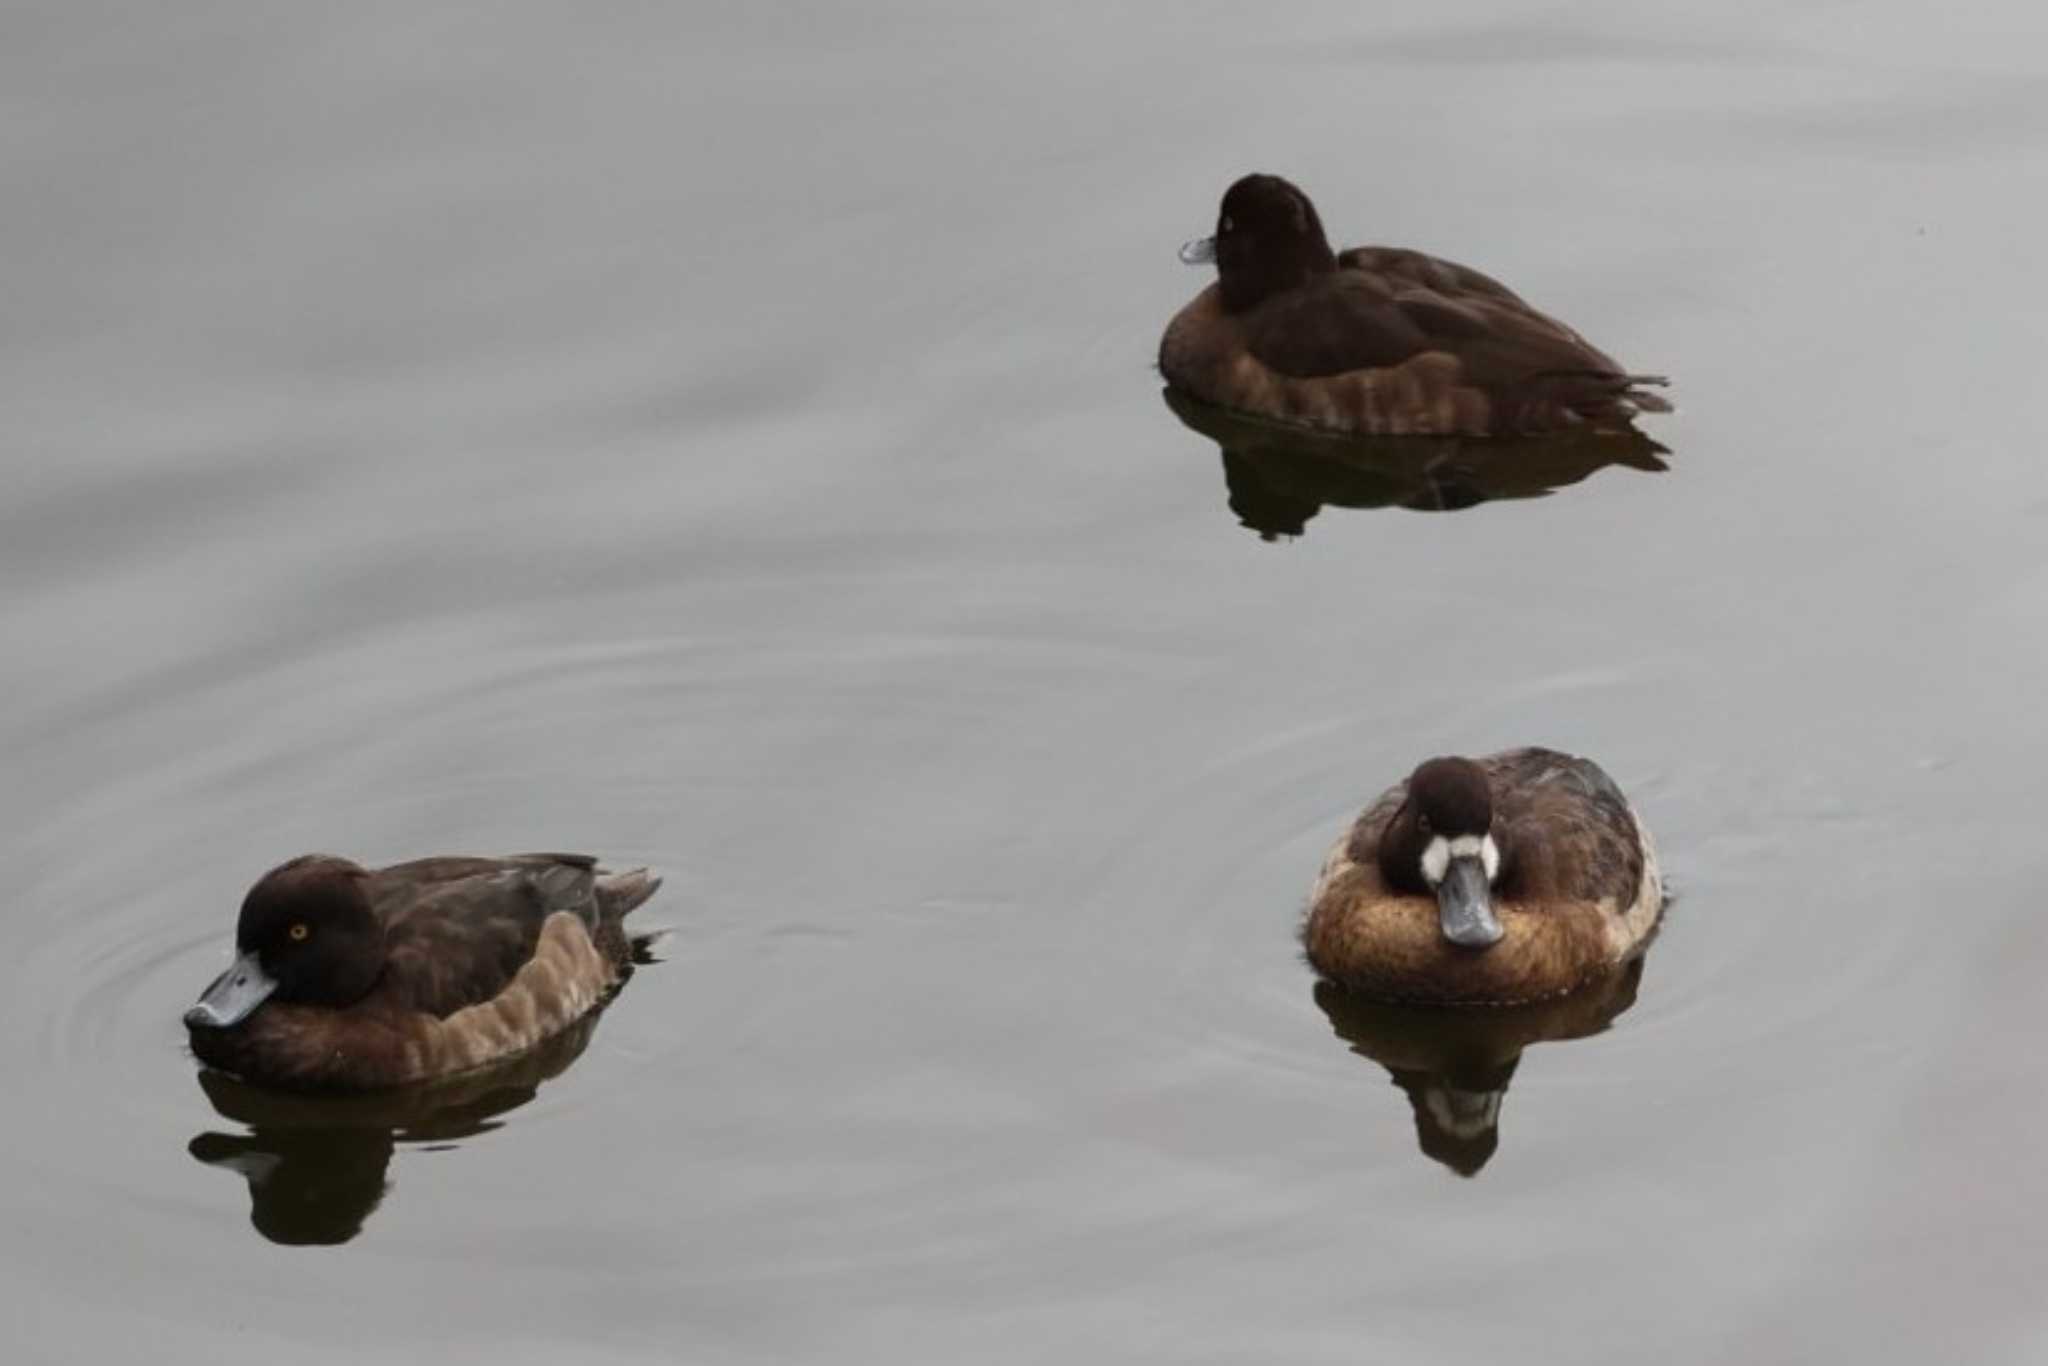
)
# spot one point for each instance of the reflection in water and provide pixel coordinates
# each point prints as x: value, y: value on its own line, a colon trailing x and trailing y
x: 1455, y: 1064
x: 316, y: 1164
x: 1279, y: 476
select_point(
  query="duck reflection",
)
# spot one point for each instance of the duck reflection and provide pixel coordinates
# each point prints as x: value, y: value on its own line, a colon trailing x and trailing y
x: 1279, y: 476
x: 316, y: 1165
x: 1455, y: 1064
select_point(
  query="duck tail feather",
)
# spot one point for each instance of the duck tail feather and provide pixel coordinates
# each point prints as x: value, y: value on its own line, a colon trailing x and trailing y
x: 618, y: 893
x: 1605, y: 394
x: 1644, y: 401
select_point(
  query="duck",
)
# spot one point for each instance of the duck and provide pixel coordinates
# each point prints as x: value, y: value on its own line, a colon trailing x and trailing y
x: 1378, y: 341
x: 1511, y: 878
x: 348, y: 978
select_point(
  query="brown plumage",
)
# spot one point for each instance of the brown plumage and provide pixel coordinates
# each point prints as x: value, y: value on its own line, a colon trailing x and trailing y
x: 1379, y: 340
x: 353, y: 979
x: 1576, y: 889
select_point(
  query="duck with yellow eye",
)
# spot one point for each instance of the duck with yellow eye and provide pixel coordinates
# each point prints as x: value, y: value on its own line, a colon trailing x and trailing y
x: 1381, y: 341
x: 350, y: 978
x: 1514, y: 877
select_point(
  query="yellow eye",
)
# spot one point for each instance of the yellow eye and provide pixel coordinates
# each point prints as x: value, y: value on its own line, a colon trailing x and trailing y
x: 298, y: 931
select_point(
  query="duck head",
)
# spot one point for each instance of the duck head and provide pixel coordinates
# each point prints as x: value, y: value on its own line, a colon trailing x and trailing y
x: 306, y: 934
x: 1268, y: 239
x: 1441, y: 843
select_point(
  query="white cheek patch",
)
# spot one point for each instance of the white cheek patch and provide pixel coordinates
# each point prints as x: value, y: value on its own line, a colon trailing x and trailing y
x: 1436, y: 858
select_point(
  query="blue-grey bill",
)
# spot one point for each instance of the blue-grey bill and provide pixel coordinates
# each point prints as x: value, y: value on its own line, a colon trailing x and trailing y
x: 1200, y: 252
x: 1465, y: 906
x: 236, y: 992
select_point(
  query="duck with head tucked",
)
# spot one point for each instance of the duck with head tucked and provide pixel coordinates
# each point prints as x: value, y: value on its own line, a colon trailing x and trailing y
x: 1515, y: 877
x: 348, y: 978
x: 1381, y: 341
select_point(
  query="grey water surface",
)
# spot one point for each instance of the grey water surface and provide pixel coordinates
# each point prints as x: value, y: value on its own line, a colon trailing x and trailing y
x: 724, y: 437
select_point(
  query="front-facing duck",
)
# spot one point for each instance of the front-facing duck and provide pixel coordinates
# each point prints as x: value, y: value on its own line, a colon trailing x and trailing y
x: 348, y: 978
x: 1377, y: 340
x: 1514, y: 877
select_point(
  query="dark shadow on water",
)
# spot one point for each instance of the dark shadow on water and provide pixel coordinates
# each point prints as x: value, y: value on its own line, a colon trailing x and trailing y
x: 317, y: 1165
x: 1455, y: 1065
x: 1279, y: 476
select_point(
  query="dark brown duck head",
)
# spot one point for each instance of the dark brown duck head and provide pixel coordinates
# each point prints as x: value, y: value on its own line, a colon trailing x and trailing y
x: 1441, y: 843
x: 1268, y: 239
x: 306, y: 935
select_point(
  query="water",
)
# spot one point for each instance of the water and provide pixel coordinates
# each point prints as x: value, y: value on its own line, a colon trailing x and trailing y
x: 723, y: 437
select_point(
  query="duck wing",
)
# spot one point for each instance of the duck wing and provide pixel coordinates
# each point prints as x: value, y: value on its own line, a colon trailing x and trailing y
x: 458, y: 930
x: 1401, y: 268
x: 1572, y: 834
x: 1346, y: 320
x: 1534, y: 368
x: 1359, y: 320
